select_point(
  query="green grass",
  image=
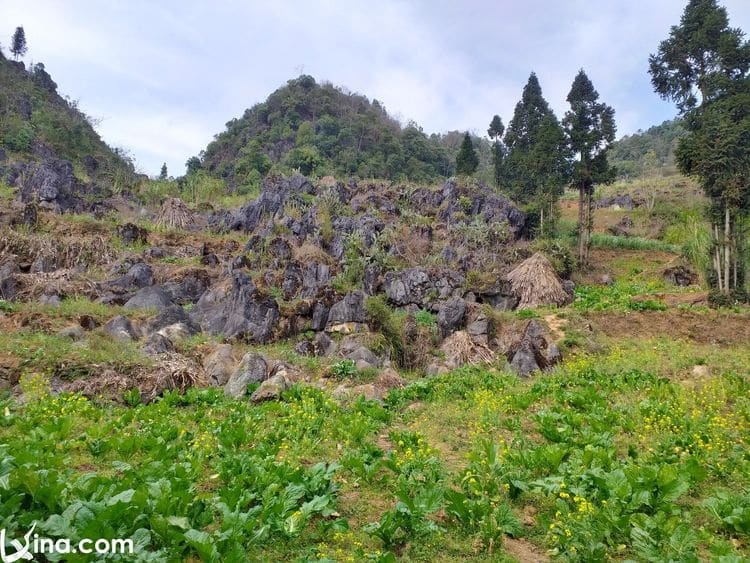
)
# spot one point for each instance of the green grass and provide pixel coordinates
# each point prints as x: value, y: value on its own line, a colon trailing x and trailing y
x: 599, y: 240
x: 620, y: 296
x: 612, y: 461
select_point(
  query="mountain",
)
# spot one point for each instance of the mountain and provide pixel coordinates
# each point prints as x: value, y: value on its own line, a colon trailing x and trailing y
x: 47, y: 141
x: 647, y: 152
x: 322, y: 129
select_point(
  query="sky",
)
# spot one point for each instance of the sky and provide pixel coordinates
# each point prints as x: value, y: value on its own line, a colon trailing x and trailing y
x: 162, y: 78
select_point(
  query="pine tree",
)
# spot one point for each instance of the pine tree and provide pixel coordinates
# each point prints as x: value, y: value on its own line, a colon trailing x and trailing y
x: 590, y: 128
x: 537, y: 163
x: 495, y: 133
x: 18, y: 43
x: 163, y: 173
x: 704, y: 68
x: 467, y: 160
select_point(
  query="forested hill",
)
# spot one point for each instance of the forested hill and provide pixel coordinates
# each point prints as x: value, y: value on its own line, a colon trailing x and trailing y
x: 37, y: 124
x: 319, y: 128
x: 649, y: 152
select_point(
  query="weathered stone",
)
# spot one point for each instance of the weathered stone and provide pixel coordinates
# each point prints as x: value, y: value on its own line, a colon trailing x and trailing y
x: 451, y: 316
x: 152, y: 297
x: 74, y: 332
x: 351, y: 309
x: 252, y: 369
x: 680, y: 275
x: 170, y: 315
x: 241, y: 313
x: 271, y: 389
x: 219, y: 365
x: 157, y: 344
x: 120, y: 328
x: 52, y: 300
x: 419, y: 286
x: 44, y: 263
x: 8, y: 280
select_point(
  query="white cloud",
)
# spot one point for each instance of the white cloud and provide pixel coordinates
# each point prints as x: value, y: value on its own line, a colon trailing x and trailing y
x: 165, y: 77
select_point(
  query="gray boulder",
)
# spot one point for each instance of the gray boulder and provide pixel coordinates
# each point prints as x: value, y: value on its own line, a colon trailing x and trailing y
x: 151, y: 297
x: 252, y: 369
x: 350, y: 310
x: 157, y: 344
x: 451, y: 316
x: 74, y: 332
x: 8, y: 280
x: 120, y: 328
x: 420, y: 286
x: 532, y: 352
x: 219, y: 365
x: 132, y: 234
x: 271, y: 389
x: 241, y: 313
x: 43, y: 263
x: 171, y: 315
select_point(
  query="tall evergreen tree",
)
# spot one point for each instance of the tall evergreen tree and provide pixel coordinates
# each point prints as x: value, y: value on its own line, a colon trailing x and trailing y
x: 537, y: 161
x: 495, y: 132
x: 18, y: 43
x: 704, y: 68
x: 467, y: 160
x: 590, y: 128
x: 163, y: 175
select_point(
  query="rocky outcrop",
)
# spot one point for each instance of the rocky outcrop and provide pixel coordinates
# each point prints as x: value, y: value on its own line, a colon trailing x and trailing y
x: 349, y: 314
x: 422, y: 287
x: 680, y: 275
x: 152, y: 297
x: 281, y: 378
x: 241, y: 313
x: 531, y: 351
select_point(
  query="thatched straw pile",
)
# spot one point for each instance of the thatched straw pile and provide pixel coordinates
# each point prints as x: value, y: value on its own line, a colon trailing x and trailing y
x: 535, y: 282
x: 174, y: 213
x: 461, y: 350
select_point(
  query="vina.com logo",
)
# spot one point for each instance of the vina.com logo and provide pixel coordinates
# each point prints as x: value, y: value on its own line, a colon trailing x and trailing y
x: 26, y: 549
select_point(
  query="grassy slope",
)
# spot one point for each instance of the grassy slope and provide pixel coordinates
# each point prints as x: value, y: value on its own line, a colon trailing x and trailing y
x: 611, y: 455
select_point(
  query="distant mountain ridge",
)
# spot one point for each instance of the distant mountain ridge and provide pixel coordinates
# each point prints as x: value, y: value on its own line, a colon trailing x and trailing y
x: 648, y: 152
x: 318, y: 128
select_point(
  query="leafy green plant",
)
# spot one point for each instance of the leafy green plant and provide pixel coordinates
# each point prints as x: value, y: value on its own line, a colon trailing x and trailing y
x: 344, y: 369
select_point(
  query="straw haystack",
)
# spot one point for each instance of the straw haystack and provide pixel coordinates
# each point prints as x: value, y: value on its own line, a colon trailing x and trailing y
x: 535, y: 282
x: 460, y: 349
x: 174, y: 213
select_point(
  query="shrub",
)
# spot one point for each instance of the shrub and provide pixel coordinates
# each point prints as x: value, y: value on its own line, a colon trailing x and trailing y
x: 381, y: 318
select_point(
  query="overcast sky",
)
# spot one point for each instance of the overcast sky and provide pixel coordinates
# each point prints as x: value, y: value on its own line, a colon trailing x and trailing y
x: 163, y: 77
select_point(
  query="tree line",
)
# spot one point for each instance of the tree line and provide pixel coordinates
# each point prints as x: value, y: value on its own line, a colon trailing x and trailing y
x: 537, y: 156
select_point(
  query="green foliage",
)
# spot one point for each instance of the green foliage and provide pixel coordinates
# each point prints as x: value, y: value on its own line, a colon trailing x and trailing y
x: 731, y: 511
x: 537, y: 164
x: 320, y: 129
x: 618, y: 296
x: 599, y: 240
x: 647, y: 153
x: 20, y: 138
x: 467, y: 160
x: 703, y: 67
x: 344, y: 369
x: 425, y: 318
x: 382, y: 319
x: 18, y: 43
x: 33, y: 111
